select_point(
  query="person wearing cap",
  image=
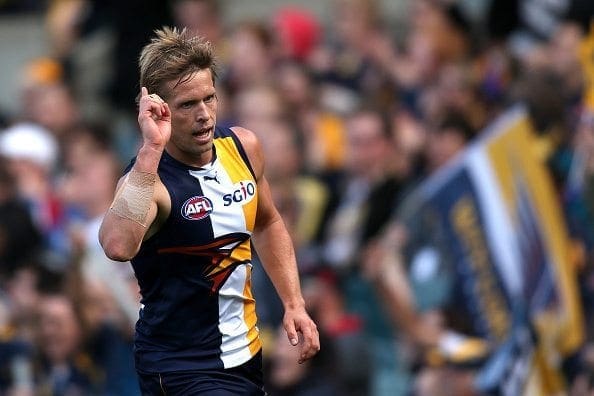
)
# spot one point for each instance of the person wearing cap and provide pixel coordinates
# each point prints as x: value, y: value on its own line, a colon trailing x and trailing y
x: 31, y: 153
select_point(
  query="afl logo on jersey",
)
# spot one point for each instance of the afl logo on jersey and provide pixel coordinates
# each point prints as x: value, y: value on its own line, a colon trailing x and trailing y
x: 196, y: 208
x: 243, y: 193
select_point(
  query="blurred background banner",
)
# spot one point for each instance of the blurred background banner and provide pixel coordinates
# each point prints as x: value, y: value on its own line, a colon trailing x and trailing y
x: 495, y: 222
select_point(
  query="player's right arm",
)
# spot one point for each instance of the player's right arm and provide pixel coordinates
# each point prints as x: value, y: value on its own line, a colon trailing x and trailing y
x: 138, y: 205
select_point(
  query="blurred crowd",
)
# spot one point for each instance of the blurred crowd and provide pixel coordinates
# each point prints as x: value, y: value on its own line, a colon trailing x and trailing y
x: 353, y: 110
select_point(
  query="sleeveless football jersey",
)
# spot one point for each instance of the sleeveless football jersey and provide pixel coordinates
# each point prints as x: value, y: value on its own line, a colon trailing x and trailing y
x: 198, y: 311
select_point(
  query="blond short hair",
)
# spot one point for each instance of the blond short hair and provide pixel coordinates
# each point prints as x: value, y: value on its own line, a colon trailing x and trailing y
x: 171, y: 55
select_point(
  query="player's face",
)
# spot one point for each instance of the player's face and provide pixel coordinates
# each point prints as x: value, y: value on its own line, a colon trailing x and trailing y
x: 193, y: 105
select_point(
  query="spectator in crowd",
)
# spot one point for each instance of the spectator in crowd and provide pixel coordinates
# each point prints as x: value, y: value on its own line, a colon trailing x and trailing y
x: 53, y: 107
x: 345, y: 336
x: 447, y: 139
x: 527, y: 26
x: 202, y: 18
x: 320, y: 128
x: 20, y: 239
x: 87, y: 192
x: 363, y: 205
x: 252, y: 56
x: 107, y: 333
x: 15, y: 355
x: 107, y: 291
x: 61, y: 366
x: 259, y: 105
x: 297, y: 31
x: 32, y: 153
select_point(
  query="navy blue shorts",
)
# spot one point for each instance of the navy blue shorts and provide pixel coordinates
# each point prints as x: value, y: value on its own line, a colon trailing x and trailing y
x: 241, y: 380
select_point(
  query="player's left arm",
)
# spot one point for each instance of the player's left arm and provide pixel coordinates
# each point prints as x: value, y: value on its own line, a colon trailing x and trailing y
x: 275, y: 249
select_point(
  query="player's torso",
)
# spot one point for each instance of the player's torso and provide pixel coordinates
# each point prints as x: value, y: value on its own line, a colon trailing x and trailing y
x: 194, y: 273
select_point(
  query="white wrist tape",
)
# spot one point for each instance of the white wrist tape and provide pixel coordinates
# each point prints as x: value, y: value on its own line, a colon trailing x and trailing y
x: 133, y: 199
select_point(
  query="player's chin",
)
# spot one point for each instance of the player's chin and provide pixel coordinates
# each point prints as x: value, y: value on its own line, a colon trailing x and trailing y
x: 203, y: 147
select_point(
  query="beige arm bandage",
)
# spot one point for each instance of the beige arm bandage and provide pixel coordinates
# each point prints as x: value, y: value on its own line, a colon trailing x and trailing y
x: 133, y: 199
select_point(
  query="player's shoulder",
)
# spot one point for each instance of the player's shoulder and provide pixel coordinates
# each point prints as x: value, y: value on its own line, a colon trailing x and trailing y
x: 242, y: 136
x: 246, y: 136
x: 251, y: 144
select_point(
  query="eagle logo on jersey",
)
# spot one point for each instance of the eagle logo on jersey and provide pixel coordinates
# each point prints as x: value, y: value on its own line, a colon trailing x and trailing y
x: 196, y: 208
x: 221, y: 264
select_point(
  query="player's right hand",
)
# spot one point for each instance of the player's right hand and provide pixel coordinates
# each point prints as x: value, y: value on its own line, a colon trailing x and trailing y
x: 154, y: 118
